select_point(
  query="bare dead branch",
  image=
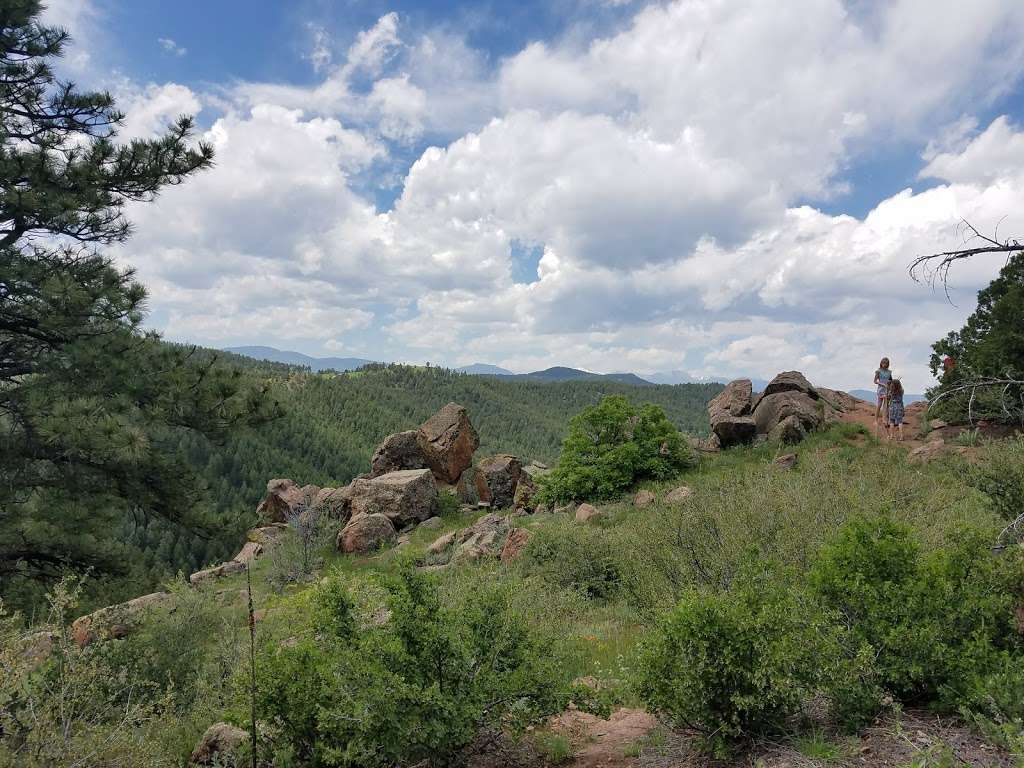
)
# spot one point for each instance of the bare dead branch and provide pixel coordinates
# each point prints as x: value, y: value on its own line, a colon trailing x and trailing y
x: 934, y: 268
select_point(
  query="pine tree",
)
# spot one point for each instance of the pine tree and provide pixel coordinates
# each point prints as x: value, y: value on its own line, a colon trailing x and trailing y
x: 90, y: 404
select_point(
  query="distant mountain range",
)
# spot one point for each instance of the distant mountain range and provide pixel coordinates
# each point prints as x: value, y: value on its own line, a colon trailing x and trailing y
x: 557, y: 373
x: 297, y: 358
x: 869, y: 395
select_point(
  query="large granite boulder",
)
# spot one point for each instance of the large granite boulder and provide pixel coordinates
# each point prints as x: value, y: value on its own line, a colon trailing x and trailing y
x: 793, y: 405
x: 790, y: 381
x: 365, y: 534
x: 398, y: 451
x: 114, y: 621
x: 466, y: 488
x: 448, y: 440
x: 284, y: 499
x: 497, y: 478
x: 404, y: 497
x: 729, y: 414
x: 335, y: 503
x: 217, y: 744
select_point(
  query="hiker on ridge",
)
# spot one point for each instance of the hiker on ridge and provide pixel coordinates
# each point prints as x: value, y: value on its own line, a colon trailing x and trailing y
x: 883, y: 378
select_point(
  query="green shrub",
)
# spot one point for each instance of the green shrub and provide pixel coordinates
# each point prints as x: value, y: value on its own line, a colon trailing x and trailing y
x: 936, y: 621
x: 61, y: 705
x: 733, y: 663
x: 1000, y: 476
x: 574, y: 556
x: 611, y: 446
x: 417, y: 686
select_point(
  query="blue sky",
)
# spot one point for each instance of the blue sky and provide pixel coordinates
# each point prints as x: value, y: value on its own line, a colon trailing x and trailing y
x: 716, y: 188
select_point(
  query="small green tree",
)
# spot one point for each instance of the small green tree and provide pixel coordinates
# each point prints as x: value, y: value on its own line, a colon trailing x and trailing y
x: 611, y: 446
x: 89, y: 403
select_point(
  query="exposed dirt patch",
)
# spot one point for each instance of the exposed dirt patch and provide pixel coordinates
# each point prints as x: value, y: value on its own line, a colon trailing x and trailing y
x: 604, y: 743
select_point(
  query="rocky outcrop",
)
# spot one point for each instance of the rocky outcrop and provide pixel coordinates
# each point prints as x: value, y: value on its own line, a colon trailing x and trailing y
x: 803, y: 411
x: 398, y: 451
x: 789, y: 408
x: 405, y: 497
x: 217, y: 743
x: 284, y: 499
x: 497, y: 478
x: 366, y: 533
x: 515, y: 544
x: 216, y: 572
x: 526, y: 492
x: 267, y: 534
x: 448, y: 440
x: 486, y: 538
x: 249, y: 552
x: 729, y: 414
x: 115, y: 621
x: 790, y: 381
x: 334, y: 502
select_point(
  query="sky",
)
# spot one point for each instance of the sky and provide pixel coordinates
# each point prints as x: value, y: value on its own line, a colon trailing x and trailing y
x: 715, y: 187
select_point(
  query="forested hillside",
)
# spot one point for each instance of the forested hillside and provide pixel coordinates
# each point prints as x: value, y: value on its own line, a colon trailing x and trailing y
x: 333, y: 422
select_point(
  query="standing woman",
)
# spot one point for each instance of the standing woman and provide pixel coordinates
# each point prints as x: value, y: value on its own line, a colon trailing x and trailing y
x: 883, y: 378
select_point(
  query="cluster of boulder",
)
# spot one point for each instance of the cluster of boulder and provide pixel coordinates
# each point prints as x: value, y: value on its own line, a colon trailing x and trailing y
x: 787, y: 410
x: 408, y: 472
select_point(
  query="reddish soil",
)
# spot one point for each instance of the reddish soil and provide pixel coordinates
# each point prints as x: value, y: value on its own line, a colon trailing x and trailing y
x: 604, y: 743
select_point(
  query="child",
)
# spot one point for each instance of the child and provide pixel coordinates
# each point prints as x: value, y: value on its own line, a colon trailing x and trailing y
x: 883, y: 378
x: 896, y: 409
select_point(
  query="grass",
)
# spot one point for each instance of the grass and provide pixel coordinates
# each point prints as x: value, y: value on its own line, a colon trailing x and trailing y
x: 554, y: 748
x: 815, y: 746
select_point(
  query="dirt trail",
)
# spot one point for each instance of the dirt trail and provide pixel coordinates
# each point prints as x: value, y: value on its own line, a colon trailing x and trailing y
x: 607, y: 743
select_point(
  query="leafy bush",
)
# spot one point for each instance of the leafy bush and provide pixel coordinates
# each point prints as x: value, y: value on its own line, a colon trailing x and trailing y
x: 297, y: 553
x: 936, y: 621
x: 418, y: 685
x: 1000, y: 476
x: 612, y: 445
x: 732, y: 663
x: 579, y: 557
x: 65, y: 705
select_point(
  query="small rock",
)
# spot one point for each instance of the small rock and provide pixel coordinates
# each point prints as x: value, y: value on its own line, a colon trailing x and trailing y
x: 442, y: 543
x: 786, y: 461
x: 679, y: 495
x: 565, y: 509
x: 643, y: 499
x: 587, y: 512
x: 483, y: 505
x: 220, y: 739
x: 930, y: 451
x: 432, y: 522
x: 937, y: 424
